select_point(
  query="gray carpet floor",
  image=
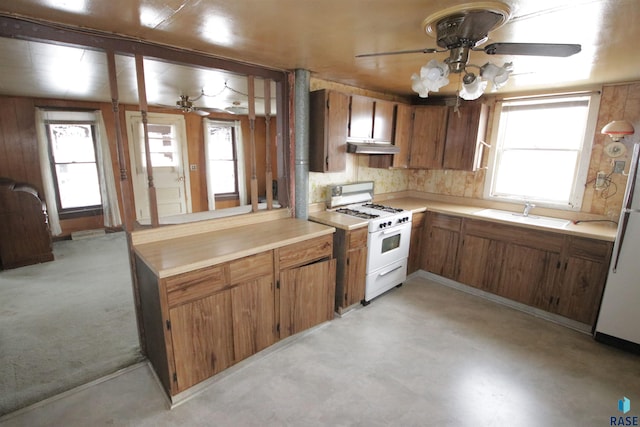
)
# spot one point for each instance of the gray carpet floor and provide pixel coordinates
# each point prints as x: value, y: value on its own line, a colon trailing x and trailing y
x: 66, y: 322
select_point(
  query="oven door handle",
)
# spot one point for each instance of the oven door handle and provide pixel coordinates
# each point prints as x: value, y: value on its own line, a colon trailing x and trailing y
x: 387, y: 232
x: 390, y: 271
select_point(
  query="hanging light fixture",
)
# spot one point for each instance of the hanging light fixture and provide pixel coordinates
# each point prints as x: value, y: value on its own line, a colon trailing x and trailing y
x: 498, y: 76
x: 472, y: 87
x: 432, y: 77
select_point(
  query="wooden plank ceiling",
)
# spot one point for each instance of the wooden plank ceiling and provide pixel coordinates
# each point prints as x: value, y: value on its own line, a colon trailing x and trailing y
x: 321, y: 36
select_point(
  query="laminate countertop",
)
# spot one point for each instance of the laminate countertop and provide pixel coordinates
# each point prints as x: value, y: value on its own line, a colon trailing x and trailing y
x: 600, y: 231
x: 594, y: 230
x: 183, y: 254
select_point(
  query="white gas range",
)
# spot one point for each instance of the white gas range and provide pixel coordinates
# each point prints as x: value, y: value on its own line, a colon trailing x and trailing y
x: 388, y: 238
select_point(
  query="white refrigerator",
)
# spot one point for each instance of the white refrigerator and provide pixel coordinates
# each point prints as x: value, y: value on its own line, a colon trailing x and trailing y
x: 619, y: 318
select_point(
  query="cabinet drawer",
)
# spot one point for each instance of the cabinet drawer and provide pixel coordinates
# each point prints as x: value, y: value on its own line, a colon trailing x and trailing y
x: 305, y: 252
x: 446, y: 222
x: 194, y: 285
x: 251, y: 267
x: 595, y: 250
x: 358, y: 238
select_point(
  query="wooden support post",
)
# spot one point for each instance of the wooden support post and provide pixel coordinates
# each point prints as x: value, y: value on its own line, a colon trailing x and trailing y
x: 126, y: 189
x: 252, y: 139
x: 142, y: 99
x: 128, y: 210
x: 267, y: 121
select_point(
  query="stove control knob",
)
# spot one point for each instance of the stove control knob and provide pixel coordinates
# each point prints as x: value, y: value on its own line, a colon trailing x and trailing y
x: 389, y: 223
x: 381, y: 226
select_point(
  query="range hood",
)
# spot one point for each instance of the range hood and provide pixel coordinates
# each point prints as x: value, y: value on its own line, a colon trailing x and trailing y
x: 371, y: 148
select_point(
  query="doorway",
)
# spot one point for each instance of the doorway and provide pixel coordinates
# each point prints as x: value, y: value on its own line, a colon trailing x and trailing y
x: 167, y: 146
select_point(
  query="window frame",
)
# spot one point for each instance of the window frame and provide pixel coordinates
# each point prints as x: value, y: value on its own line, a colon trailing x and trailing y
x: 235, y: 195
x: 584, y: 154
x: 76, y: 212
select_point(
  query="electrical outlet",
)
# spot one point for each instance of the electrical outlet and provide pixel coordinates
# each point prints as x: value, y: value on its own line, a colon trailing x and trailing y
x: 193, y: 167
x: 618, y: 166
x: 600, y: 180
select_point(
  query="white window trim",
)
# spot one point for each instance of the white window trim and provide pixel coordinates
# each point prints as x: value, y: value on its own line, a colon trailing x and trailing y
x: 582, y: 171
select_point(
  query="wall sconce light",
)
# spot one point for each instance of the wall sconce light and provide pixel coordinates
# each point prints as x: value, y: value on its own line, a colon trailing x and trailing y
x: 617, y: 129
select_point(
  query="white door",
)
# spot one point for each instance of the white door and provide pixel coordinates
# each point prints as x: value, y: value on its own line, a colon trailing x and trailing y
x: 167, y: 145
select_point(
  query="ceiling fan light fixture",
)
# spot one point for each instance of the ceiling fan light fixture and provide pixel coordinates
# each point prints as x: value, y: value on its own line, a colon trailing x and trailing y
x: 433, y: 76
x: 472, y: 87
x: 498, y: 76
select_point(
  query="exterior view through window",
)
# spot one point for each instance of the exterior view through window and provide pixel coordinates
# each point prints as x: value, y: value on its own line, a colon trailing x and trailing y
x: 73, y: 161
x: 222, y: 163
x: 538, y: 152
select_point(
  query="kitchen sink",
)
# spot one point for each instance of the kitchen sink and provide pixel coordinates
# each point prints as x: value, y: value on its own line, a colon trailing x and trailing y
x: 516, y: 217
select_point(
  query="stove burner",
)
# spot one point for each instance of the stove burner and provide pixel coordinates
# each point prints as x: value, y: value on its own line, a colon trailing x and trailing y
x: 382, y: 208
x: 356, y: 213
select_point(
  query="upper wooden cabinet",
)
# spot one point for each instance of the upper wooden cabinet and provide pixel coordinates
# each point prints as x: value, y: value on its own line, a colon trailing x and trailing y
x: 464, y: 132
x: 329, y: 120
x: 437, y: 137
x: 371, y: 119
x: 428, y: 132
x: 402, y: 137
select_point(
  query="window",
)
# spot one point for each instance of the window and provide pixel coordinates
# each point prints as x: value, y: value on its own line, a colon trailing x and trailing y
x: 163, y: 145
x: 541, y: 150
x: 73, y: 163
x: 222, y: 160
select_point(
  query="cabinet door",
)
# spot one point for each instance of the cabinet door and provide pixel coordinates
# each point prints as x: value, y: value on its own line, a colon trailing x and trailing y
x: 361, y: 118
x: 440, y: 244
x: 415, y: 247
x: 328, y: 122
x: 356, y: 276
x: 479, y: 262
x: 253, y: 308
x: 585, y: 272
x: 383, y: 121
x: 462, y: 135
x: 428, y: 137
x: 402, y: 137
x: 307, y: 296
x: 202, y: 338
x: 526, y: 273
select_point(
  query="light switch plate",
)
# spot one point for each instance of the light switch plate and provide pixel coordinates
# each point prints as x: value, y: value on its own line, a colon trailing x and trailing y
x: 618, y: 166
x: 193, y: 167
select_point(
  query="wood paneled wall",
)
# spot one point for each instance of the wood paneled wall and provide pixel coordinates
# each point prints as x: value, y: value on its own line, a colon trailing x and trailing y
x: 19, y: 158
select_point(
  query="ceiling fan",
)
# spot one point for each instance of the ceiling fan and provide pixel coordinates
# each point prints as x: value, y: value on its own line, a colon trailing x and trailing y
x: 186, y: 106
x: 461, y: 29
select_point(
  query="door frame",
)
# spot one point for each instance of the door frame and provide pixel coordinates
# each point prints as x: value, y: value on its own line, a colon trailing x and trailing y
x: 132, y: 118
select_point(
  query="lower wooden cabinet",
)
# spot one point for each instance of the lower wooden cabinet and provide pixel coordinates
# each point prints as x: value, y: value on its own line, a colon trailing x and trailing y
x: 307, y: 296
x: 558, y: 273
x: 202, y: 338
x: 415, y: 246
x: 350, y: 252
x: 580, y: 289
x: 441, y: 237
x: 199, y: 323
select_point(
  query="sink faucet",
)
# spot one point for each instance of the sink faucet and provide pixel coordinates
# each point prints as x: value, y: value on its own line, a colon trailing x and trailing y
x: 527, y: 208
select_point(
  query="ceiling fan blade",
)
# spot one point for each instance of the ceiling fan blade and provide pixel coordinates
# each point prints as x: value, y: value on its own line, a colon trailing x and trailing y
x: 200, y: 112
x: 534, y: 49
x: 399, y: 52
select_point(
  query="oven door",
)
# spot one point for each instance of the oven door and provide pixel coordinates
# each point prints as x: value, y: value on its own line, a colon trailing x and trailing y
x: 388, y: 246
